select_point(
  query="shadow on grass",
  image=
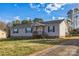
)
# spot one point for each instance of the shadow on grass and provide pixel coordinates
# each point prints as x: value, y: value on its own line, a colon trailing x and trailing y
x: 11, y: 39
x: 58, y: 42
x: 47, y: 41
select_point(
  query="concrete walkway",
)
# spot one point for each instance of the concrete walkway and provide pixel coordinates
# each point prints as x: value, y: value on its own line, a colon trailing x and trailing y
x: 69, y: 48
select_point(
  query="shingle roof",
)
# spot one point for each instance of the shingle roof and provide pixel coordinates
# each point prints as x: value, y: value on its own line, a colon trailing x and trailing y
x: 22, y: 25
x: 38, y: 24
x: 53, y: 22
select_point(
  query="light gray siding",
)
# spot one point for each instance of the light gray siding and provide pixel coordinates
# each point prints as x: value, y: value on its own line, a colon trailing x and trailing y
x: 20, y: 33
x: 60, y: 30
x: 56, y: 33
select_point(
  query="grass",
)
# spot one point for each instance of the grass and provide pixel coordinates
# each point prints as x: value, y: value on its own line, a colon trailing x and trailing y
x: 15, y: 47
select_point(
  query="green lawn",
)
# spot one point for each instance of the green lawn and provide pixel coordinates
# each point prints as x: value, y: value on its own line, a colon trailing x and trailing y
x: 14, y: 47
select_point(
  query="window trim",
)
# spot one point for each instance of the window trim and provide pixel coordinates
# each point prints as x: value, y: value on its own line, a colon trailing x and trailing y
x: 51, y: 29
x: 16, y: 31
x: 26, y: 31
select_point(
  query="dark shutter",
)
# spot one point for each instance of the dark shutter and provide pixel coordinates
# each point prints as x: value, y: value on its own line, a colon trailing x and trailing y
x: 25, y: 30
x: 31, y: 30
x: 48, y: 28
x: 53, y: 28
x: 17, y: 30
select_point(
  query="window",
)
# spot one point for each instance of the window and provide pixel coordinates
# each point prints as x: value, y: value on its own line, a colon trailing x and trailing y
x: 15, y: 30
x: 28, y: 30
x: 51, y: 29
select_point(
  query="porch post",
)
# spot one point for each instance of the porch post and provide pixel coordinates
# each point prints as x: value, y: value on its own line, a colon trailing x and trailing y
x: 36, y: 28
x: 43, y: 29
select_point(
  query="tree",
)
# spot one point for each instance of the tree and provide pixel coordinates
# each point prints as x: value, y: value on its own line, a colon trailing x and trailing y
x: 26, y: 21
x: 16, y: 22
x: 3, y: 26
x: 9, y: 25
x: 37, y: 20
x: 76, y: 16
x: 76, y: 10
x: 72, y: 16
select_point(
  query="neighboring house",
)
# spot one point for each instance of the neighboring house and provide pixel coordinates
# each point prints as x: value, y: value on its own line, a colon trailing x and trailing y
x: 55, y: 28
x: 3, y: 30
x: 3, y: 34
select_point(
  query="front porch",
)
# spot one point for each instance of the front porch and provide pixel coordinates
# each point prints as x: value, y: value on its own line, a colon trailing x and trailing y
x: 38, y: 30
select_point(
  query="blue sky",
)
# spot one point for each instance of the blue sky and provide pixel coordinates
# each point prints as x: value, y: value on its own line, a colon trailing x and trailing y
x: 46, y: 11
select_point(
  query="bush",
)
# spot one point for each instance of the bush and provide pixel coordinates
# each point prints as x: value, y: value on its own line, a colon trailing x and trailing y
x: 74, y: 32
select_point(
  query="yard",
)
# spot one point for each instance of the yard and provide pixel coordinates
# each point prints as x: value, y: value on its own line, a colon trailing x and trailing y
x: 15, y: 47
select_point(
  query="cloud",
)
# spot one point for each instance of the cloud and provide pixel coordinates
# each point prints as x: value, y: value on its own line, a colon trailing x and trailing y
x: 31, y: 5
x: 48, y: 11
x: 62, y: 8
x: 0, y: 18
x: 7, y: 21
x: 4, y: 20
x: 36, y: 7
x: 39, y: 10
x: 42, y: 4
x: 53, y: 7
x: 16, y: 5
x: 48, y: 8
x: 53, y: 17
x: 16, y: 18
x: 27, y: 18
x: 60, y: 17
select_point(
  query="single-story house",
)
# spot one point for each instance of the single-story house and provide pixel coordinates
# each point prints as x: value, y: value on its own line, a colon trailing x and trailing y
x: 55, y: 28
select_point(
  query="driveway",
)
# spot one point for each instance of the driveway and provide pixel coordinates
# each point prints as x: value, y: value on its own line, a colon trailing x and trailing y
x: 68, y: 48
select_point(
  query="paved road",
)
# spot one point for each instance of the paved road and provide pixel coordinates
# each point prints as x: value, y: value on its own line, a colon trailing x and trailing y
x: 69, y: 48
